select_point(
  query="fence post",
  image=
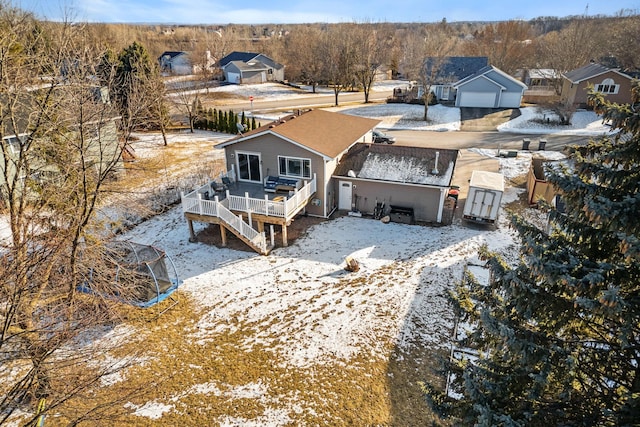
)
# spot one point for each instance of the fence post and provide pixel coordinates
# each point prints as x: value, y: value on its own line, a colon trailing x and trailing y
x: 199, y: 203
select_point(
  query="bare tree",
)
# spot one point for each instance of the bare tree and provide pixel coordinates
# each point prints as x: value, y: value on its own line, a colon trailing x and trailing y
x: 59, y: 147
x: 368, y: 55
x: 304, y: 55
x: 430, y: 53
x: 509, y: 45
x: 338, y: 50
x: 187, y: 101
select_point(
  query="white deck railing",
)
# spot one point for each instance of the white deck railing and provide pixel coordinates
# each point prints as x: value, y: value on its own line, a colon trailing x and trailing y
x: 195, y: 202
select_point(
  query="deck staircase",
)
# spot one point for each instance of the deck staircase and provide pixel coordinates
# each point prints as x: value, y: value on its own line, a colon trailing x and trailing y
x: 243, y: 231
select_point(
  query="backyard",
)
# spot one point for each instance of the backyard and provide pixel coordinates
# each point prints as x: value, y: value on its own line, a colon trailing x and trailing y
x: 293, y: 338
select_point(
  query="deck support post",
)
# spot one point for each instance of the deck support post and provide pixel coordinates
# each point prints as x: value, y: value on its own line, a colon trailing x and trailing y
x: 223, y: 235
x: 192, y: 234
x: 284, y: 235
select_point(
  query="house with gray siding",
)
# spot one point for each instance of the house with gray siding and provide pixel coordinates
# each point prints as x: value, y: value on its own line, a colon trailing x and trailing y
x: 248, y: 68
x: 489, y: 87
x: 445, y: 72
x: 299, y: 147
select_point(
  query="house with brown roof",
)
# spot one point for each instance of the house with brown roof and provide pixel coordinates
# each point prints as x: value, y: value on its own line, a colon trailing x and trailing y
x: 298, y: 148
x: 318, y: 162
x: 611, y: 82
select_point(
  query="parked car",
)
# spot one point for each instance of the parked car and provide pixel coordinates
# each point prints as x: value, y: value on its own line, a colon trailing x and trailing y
x: 382, y: 138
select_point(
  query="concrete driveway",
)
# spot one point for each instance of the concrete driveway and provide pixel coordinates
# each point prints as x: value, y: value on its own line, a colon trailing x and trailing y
x: 485, y: 119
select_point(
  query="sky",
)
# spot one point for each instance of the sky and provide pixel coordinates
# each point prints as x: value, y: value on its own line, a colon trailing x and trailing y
x: 283, y: 12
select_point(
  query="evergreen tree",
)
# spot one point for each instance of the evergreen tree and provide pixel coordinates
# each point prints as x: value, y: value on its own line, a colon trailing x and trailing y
x: 558, y: 334
x: 214, y: 119
x: 221, y: 121
x: 225, y: 123
x: 231, y: 118
x: 253, y: 123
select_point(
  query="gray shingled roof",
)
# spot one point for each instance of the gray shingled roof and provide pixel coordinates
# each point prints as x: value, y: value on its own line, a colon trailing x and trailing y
x: 455, y: 68
x: 237, y: 56
x: 586, y: 72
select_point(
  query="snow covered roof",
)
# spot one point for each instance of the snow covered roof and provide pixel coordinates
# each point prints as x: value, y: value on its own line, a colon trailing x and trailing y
x: 411, y: 165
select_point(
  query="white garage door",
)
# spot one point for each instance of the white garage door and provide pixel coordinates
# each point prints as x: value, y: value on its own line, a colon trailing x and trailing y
x: 477, y: 99
x: 233, y: 77
x: 511, y: 100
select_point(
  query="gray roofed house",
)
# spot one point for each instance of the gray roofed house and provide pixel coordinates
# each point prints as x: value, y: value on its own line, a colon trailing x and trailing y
x: 447, y: 71
x: 249, y: 67
x: 182, y: 63
x: 489, y: 87
x: 611, y: 82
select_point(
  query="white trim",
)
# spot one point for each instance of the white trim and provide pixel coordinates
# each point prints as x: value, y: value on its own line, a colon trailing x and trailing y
x: 237, y: 164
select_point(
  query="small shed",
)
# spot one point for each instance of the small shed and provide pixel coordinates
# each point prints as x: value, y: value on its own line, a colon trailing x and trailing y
x: 537, y: 186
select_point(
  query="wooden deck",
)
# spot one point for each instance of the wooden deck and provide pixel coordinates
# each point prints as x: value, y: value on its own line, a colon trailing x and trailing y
x: 244, y: 205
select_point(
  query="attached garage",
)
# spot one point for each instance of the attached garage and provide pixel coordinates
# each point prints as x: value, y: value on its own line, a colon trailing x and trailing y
x: 396, y: 180
x: 489, y: 88
x: 477, y: 99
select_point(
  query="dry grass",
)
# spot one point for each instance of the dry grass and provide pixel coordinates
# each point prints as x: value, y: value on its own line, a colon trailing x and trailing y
x: 232, y: 377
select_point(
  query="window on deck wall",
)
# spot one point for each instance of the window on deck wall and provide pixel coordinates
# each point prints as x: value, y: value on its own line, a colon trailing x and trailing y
x: 607, y: 86
x: 294, y: 167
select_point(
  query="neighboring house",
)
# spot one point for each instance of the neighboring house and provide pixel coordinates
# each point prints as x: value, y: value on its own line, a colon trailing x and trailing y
x: 405, y: 179
x: 444, y: 73
x: 248, y: 67
x: 101, y: 144
x: 489, y: 87
x: 611, y: 82
x: 299, y: 147
x: 181, y: 63
x: 541, y: 79
x: 543, y: 84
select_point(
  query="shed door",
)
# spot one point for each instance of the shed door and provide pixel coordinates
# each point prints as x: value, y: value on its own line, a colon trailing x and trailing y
x: 345, y: 195
x: 477, y: 99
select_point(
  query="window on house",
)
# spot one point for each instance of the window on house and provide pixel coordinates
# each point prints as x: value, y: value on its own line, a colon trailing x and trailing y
x: 608, y: 86
x: 14, y: 142
x: 294, y: 167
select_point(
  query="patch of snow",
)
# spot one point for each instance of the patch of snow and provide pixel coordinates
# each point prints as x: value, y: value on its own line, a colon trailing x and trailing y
x: 404, y: 169
x: 153, y: 410
x: 532, y: 121
x: 407, y: 116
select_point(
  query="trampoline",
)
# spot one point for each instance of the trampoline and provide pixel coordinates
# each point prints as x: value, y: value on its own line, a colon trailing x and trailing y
x: 144, y: 275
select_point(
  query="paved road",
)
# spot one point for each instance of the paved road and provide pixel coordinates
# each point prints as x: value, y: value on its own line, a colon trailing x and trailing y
x: 311, y: 101
x: 452, y: 139
x: 489, y: 140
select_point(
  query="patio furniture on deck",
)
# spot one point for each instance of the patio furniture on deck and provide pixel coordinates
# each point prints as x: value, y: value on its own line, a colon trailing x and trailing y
x: 218, y: 187
x: 274, y: 184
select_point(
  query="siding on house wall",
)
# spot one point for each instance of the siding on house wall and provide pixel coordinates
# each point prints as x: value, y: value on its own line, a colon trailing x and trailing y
x: 578, y: 93
x: 424, y: 200
x: 270, y: 147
